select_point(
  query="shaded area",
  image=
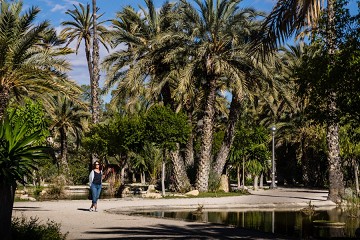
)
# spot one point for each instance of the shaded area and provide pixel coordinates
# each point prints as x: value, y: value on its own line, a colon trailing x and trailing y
x: 83, y: 209
x: 23, y: 209
x: 281, y: 196
x: 191, y: 231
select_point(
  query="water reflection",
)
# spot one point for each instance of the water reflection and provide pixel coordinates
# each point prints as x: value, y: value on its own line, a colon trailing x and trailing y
x: 287, y: 223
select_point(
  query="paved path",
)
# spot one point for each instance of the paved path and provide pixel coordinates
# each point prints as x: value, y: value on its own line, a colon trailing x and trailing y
x: 75, y: 218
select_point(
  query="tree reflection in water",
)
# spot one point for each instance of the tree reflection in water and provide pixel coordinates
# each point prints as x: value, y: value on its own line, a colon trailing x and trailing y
x: 287, y: 223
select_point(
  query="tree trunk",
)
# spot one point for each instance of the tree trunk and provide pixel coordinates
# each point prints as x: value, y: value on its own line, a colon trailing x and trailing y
x: 88, y: 59
x: 238, y: 177
x: 122, y: 175
x: 7, y: 194
x: 4, y: 100
x: 304, y: 162
x: 143, y: 179
x: 356, y: 174
x: 95, y: 64
x: 182, y: 182
x: 163, y: 178
x: 243, y: 171
x: 256, y: 182
x: 64, y: 166
x: 189, y: 152
x: 261, y: 184
x: 336, y: 184
x: 202, y: 178
x: 228, y: 137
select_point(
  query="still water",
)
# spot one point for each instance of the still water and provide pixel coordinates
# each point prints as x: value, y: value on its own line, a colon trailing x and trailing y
x: 293, y: 224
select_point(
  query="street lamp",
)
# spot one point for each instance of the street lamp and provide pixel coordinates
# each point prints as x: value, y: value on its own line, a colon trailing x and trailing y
x: 273, y: 184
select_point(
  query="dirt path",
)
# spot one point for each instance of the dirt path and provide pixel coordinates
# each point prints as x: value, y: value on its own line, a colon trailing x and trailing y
x: 75, y: 218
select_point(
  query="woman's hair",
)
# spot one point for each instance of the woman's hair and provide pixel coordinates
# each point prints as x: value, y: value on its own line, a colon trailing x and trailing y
x: 97, y: 162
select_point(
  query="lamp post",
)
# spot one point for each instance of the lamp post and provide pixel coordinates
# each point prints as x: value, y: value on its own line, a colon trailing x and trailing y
x: 273, y: 184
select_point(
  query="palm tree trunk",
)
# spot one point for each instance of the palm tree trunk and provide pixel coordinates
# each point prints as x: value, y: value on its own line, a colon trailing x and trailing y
x: 64, y: 166
x: 202, y: 178
x: 189, y: 152
x: 228, y: 137
x: 95, y: 80
x: 182, y: 181
x: 189, y: 149
x: 336, y: 184
x: 7, y: 194
x: 88, y: 59
x: 4, y: 100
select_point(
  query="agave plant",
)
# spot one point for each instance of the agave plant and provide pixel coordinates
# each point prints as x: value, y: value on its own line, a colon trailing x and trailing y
x: 18, y: 157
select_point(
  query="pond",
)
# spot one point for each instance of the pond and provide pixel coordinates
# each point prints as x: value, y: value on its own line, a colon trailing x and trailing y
x: 288, y: 223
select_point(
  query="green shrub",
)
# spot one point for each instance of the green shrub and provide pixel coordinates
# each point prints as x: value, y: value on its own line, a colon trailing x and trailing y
x: 31, y: 229
x: 37, y: 190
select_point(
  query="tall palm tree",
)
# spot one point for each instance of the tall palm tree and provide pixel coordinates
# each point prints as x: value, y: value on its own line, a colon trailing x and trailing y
x: 286, y: 18
x: 95, y: 103
x: 67, y: 118
x: 27, y: 65
x: 139, y: 72
x: 79, y: 29
x: 216, y: 38
x: 18, y: 157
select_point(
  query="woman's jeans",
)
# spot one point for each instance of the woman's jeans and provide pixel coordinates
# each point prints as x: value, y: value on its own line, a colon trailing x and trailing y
x: 95, y: 192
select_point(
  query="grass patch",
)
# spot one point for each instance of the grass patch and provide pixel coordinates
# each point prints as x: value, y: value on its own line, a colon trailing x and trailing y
x: 220, y: 194
x: 211, y: 195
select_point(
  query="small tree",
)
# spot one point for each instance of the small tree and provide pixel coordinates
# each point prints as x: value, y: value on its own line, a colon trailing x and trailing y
x: 250, y: 146
x: 350, y: 149
x: 18, y: 157
x: 167, y: 129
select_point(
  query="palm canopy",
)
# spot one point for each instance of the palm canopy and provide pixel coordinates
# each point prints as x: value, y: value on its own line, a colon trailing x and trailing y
x: 66, y: 116
x: 80, y: 28
x: 289, y: 17
x: 28, y: 66
x: 218, y: 42
x: 131, y: 70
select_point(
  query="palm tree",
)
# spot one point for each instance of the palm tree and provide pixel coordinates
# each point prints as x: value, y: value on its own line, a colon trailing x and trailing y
x: 290, y: 16
x: 28, y: 65
x: 95, y: 103
x: 129, y: 69
x: 216, y: 41
x: 67, y: 118
x: 81, y: 29
x: 139, y: 71
x: 18, y: 157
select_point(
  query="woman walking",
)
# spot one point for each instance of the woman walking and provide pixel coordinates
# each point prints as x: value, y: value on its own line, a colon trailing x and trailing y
x: 95, y: 180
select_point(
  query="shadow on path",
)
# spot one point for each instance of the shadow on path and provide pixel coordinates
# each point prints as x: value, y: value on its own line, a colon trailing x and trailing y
x: 83, y: 209
x: 275, y: 196
x: 191, y: 231
x: 30, y: 209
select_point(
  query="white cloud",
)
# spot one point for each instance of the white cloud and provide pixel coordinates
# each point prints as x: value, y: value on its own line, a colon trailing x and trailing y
x: 57, y: 8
